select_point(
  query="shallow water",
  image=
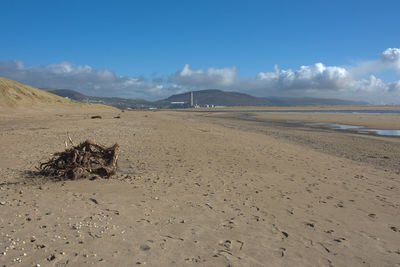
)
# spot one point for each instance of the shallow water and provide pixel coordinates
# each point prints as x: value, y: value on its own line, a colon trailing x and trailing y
x: 308, y: 111
x: 382, y: 132
x: 335, y: 126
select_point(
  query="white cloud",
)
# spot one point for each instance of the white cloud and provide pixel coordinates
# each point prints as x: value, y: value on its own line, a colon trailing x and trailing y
x: 389, y: 59
x: 204, y: 79
x: 67, y: 75
x: 319, y: 80
x: 372, y: 84
x: 395, y: 87
x: 317, y: 76
x: 391, y: 56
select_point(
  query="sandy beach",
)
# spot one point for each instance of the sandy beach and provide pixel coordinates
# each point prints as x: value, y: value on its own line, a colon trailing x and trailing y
x: 201, y: 189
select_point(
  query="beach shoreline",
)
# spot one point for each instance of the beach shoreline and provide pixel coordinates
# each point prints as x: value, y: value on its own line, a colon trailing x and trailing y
x: 201, y: 189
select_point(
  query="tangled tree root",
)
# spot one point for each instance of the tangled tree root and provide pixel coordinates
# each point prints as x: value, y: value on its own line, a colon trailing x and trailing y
x: 85, y: 160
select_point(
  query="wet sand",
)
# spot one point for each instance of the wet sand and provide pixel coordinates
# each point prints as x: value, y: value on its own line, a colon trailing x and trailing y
x: 372, y: 121
x: 198, y: 189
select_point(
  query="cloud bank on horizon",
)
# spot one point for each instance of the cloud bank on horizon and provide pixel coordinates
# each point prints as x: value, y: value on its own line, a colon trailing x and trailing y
x: 318, y: 80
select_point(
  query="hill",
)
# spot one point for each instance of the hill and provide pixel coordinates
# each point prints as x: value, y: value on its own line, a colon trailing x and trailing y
x: 309, y: 101
x: 216, y: 98
x: 202, y: 98
x: 224, y: 98
x: 122, y: 103
x: 16, y: 94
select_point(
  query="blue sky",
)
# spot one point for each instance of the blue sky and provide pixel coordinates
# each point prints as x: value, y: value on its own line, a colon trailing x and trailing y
x: 146, y: 40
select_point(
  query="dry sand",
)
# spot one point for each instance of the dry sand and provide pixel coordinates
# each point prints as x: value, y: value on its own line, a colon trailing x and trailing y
x: 196, y: 189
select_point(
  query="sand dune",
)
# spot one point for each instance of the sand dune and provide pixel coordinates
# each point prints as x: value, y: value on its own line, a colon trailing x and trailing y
x: 15, y: 94
x: 195, y: 190
x: 17, y: 98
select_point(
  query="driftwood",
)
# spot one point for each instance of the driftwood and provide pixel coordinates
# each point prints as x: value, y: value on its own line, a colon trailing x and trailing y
x: 85, y: 160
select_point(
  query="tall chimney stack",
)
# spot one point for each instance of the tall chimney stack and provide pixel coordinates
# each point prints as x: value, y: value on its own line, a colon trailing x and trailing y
x: 191, y: 99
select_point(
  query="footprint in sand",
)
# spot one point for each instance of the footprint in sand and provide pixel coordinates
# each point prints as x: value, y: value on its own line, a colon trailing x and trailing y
x: 339, y: 205
x: 226, y: 243
x: 311, y: 225
x: 229, y: 247
x: 280, y: 252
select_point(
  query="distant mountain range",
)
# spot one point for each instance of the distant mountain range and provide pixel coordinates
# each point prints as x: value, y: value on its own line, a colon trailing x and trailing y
x: 117, y: 102
x: 310, y: 101
x: 212, y: 97
x: 217, y: 98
